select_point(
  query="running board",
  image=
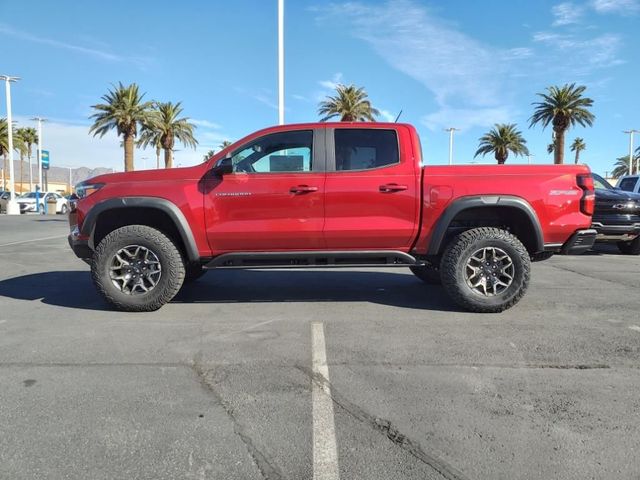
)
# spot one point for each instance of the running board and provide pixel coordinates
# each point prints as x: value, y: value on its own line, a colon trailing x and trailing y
x: 309, y: 259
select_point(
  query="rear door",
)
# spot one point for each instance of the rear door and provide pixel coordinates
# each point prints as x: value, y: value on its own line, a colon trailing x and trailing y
x: 371, y: 189
x: 274, y: 199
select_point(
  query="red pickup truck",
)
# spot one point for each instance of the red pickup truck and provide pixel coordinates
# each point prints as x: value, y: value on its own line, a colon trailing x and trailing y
x: 330, y: 195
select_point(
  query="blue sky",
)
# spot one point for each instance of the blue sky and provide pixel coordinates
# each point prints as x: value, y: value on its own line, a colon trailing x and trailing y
x: 458, y: 63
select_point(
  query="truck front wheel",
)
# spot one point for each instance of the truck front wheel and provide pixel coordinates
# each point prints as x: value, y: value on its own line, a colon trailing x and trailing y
x: 137, y: 268
x: 485, y: 270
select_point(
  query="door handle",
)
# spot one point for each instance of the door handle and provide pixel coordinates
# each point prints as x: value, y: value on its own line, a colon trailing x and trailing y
x: 392, y: 187
x: 298, y: 189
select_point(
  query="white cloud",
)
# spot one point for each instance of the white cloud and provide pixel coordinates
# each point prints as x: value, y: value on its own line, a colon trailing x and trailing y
x: 457, y: 69
x: 465, y: 119
x: 204, y: 123
x: 141, y: 62
x: 616, y: 6
x: 387, y: 116
x: 566, y: 13
x: 580, y: 55
x: 333, y: 83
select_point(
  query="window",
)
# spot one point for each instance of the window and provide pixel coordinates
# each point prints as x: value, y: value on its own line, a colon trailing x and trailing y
x: 600, y: 182
x: 365, y: 148
x: 628, y: 184
x: 278, y: 152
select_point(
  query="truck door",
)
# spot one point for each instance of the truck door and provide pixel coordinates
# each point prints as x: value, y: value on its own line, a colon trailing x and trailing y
x: 274, y: 199
x: 371, y: 190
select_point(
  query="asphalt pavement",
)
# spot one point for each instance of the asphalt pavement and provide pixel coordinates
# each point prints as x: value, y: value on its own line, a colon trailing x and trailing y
x: 325, y: 374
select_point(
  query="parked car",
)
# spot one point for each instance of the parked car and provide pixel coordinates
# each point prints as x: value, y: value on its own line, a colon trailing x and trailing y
x: 629, y: 183
x: 4, y: 198
x: 28, y: 204
x: 617, y: 216
x: 330, y: 194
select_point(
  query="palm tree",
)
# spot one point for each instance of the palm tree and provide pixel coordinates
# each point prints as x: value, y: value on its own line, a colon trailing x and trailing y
x: 150, y: 135
x: 4, y: 148
x: 577, y: 146
x: 550, y: 148
x: 30, y: 137
x: 123, y: 110
x: 563, y: 107
x: 621, y: 167
x: 224, y: 144
x: 209, y: 154
x: 172, y: 128
x: 350, y: 103
x: 20, y: 146
x: 502, y: 139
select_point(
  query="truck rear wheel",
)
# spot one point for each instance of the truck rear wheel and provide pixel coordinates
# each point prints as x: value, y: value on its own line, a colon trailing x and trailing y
x: 427, y: 274
x: 485, y: 270
x: 630, y: 248
x: 137, y: 268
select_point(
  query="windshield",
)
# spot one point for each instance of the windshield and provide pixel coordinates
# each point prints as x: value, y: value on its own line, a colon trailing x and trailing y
x: 28, y: 195
x: 601, y: 183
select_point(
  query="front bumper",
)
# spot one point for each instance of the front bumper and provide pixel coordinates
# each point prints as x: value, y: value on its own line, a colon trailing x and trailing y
x: 580, y: 242
x: 80, y: 246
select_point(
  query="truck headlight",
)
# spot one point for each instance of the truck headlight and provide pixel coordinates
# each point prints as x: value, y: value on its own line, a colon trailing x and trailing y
x: 83, y: 190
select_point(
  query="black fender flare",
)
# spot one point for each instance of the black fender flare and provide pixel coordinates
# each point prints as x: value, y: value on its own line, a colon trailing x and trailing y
x: 465, y: 203
x: 170, y: 208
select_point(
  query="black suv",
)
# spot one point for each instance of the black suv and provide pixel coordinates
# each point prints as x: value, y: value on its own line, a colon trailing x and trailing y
x: 617, y: 216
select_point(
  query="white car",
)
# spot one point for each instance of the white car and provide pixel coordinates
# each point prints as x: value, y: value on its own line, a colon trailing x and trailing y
x: 629, y: 183
x: 27, y: 202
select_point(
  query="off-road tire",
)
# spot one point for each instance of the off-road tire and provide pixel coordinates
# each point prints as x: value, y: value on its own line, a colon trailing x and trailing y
x: 630, y: 248
x: 193, y: 271
x: 461, y: 249
x: 171, y: 262
x: 427, y: 274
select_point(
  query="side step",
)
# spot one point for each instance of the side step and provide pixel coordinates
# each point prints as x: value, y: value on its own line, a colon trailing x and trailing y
x: 309, y: 259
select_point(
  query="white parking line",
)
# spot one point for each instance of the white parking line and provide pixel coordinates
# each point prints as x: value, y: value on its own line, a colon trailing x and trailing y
x: 32, y: 240
x: 634, y: 327
x: 325, y: 452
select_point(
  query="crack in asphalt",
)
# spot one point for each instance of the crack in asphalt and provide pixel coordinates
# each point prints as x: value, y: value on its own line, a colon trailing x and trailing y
x: 262, y: 463
x: 592, y: 277
x: 386, y: 428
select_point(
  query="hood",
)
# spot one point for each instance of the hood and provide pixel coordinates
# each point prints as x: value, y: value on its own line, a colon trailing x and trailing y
x: 615, y: 194
x: 194, y: 173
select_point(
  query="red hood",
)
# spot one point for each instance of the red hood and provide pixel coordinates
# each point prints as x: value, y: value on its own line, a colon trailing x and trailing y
x: 186, y: 173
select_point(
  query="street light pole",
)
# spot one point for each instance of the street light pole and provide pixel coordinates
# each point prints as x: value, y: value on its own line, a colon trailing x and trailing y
x: 631, y: 132
x: 529, y: 155
x: 281, y: 62
x: 451, y: 130
x: 12, y: 205
x: 39, y: 164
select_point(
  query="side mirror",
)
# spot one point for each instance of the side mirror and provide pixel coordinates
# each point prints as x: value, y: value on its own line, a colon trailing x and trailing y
x: 223, y: 167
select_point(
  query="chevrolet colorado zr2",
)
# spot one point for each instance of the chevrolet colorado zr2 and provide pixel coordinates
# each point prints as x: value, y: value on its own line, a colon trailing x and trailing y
x: 330, y: 195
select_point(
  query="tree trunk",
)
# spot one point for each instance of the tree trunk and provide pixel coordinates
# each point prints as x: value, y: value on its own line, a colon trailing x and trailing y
x: 128, y: 153
x: 30, y: 174
x: 21, y: 163
x: 577, y: 155
x: 158, y: 158
x: 501, y: 158
x: 168, y: 158
x: 558, y: 149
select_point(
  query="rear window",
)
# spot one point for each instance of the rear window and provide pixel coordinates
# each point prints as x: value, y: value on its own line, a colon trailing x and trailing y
x: 628, y: 184
x: 362, y: 149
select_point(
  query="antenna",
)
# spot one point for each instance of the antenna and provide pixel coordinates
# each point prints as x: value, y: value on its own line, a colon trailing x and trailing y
x: 396, y: 120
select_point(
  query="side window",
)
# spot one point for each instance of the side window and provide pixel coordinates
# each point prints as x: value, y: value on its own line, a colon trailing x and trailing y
x: 365, y: 148
x: 276, y: 153
x: 628, y: 184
